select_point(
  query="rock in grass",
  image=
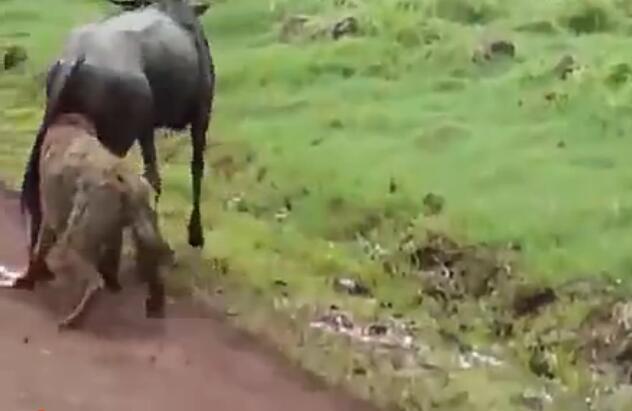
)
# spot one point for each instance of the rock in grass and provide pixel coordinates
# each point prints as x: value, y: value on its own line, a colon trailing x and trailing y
x: 432, y: 204
x: 565, y: 67
x: 619, y: 74
x: 541, y: 362
x: 502, y: 47
x: 536, y: 400
x: 305, y: 27
x: 13, y: 56
x: 336, y: 321
x: 346, y: 26
x: 351, y: 287
x: 529, y: 299
x: 492, y: 49
x: 293, y: 26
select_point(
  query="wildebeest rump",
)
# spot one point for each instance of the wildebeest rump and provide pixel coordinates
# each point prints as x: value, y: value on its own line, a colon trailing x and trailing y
x: 140, y: 70
x: 88, y: 196
x: 199, y: 7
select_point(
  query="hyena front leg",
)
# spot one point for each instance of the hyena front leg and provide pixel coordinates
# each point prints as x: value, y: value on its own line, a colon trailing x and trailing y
x: 37, y: 268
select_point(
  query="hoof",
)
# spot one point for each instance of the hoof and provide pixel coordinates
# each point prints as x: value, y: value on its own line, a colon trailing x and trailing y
x: 37, y: 271
x: 154, y: 309
x: 113, y: 286
x: 196, y: 239
x: 24, y: 284
x: 46, y: 274
x: 196, y: 236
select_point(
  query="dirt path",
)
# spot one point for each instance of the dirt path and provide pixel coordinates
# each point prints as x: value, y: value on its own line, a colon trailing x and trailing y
x: 121, y: 361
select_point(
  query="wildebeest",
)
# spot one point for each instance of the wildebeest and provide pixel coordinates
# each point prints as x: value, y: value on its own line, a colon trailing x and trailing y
x: 144, y: 69
x: 87, y: 197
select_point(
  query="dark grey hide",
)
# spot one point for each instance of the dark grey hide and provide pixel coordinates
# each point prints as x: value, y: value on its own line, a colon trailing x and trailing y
x: 140, y: 70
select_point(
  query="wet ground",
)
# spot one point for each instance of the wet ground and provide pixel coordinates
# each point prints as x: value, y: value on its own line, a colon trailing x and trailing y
x: 119, y: 360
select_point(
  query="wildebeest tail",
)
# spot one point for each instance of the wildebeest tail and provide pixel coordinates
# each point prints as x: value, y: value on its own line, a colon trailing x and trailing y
x: 60, y: 76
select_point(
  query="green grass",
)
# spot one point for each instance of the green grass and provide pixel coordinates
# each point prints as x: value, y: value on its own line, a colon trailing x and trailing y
x: 344, y: 118
x: 400, y: 101
x: 329, y: 125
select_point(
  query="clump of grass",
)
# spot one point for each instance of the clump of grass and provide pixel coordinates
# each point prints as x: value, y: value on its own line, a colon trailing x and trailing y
x: 589, y: 16
x: 624, y: 6
x: 619, y: 74
x: 467, y: 12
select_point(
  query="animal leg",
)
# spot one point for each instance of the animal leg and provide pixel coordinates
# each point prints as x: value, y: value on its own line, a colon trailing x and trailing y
x: 148, y: 152
x: 72, y: 319
x: 198, y: 135
x: 155, y: 301
x: 109, y: 262
x: 151, y: 250
x: 64, y: 258
x: 37, y: 268
x: 76, y: 253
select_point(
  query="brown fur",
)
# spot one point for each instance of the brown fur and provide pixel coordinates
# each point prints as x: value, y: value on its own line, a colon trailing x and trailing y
x: 88, y: 196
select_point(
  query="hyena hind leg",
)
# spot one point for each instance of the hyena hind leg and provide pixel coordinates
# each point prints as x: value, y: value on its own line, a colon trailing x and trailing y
x: 90, y: 292
x: 63, y: 258
x: 110, y: 261
x: 37, y: 269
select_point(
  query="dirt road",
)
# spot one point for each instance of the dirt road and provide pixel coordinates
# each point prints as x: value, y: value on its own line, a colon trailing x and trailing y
x: 121, y: 361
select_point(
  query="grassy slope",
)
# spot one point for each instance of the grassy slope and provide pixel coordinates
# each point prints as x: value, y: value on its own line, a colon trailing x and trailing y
x: 483, y: 137
x: 402, y: 101
x: 39, y: 27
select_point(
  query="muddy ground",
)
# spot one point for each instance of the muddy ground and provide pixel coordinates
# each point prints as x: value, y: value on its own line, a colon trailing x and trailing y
x: 571, y: 340
x: 122, y: 361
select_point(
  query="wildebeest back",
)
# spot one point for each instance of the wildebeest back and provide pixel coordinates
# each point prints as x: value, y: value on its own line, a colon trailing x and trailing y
x: 121, y: 54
